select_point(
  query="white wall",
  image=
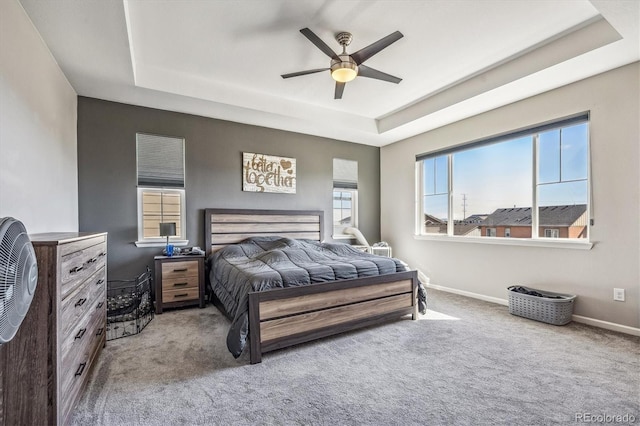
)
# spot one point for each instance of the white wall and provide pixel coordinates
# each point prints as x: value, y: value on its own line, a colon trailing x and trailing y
x: 38, y: 111
x: 488, y: 270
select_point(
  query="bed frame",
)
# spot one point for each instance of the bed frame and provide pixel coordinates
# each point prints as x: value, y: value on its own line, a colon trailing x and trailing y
x: 284, y: 317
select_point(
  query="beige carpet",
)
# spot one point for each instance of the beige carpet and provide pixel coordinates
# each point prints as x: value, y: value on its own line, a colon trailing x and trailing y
x: 466, y: 362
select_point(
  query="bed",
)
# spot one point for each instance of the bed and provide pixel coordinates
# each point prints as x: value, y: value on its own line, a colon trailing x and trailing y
x: 280, y: 285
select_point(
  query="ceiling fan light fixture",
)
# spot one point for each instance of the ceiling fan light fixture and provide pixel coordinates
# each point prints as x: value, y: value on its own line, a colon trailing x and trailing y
x: 344, y: 75
x: 344, y: 71
x: 346, y: 67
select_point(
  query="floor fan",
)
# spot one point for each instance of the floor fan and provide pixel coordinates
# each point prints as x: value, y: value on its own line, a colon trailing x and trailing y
x: 18, y: 276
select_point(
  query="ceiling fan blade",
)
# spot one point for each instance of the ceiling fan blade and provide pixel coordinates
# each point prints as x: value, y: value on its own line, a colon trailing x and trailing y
x: 339, y: 90
x: 365, y: 71
x: 365, y: 53
x: 313, y: 38
x: 299, y: 73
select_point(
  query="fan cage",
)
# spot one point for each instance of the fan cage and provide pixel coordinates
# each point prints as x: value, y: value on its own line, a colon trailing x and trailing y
x: 129, y: 305
x: 18, y: 276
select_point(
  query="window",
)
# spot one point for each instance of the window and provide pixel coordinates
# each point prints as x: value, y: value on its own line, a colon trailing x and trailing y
x: 552, y: 233
x: 436, y: 194
x: 517, y: 185
x: 161, y: 194
x: 345, y: 195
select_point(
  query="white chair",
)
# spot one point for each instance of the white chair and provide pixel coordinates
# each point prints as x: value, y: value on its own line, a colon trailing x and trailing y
x: 363, y: 244
x: 381, y: 249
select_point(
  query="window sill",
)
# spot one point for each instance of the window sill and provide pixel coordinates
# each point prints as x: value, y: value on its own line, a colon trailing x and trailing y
x: 526, y: 242
x: 177, y: 243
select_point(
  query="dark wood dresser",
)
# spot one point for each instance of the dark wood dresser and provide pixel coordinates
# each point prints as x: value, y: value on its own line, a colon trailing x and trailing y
x: 47, y: 364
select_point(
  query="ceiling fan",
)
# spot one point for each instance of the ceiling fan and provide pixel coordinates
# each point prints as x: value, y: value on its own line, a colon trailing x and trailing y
x: 345, y: 67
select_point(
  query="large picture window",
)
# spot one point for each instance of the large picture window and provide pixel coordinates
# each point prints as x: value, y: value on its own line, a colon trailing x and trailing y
x: 528, y: 184
x: 161, y: 193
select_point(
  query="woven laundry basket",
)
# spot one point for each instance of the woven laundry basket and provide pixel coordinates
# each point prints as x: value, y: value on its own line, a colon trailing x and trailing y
x: 552, y: 308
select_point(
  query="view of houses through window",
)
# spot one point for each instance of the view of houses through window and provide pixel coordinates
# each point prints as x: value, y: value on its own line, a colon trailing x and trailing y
x: 488, y: 188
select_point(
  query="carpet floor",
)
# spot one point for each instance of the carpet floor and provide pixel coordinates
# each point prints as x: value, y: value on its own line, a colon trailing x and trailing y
x: 466, y: 362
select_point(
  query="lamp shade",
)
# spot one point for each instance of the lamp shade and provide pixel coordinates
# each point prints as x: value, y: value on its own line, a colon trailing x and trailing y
x: 167, y: 229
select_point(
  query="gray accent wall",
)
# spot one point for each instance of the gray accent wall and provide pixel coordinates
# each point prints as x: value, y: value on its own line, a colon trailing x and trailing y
x: 213, y: 157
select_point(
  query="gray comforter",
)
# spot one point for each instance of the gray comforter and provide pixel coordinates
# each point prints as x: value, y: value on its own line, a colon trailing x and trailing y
x: 263, y: 263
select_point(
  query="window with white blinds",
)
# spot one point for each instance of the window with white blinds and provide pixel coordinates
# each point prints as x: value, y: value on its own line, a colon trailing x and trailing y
x: 161, y: 182
x: 160, y: 161
x: 345, y: 196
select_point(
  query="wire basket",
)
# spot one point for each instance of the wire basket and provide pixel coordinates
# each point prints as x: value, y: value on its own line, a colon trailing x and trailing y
x: 549, y: 307
x: 129, y: 306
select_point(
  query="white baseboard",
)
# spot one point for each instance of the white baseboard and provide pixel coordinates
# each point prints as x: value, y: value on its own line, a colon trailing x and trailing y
x: 577, y: 318
x: 497, y: 300
x: 607, y: 325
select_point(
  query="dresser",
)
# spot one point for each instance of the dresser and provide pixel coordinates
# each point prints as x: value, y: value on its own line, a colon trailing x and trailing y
x: 46, y: 366
x: 179, y: 281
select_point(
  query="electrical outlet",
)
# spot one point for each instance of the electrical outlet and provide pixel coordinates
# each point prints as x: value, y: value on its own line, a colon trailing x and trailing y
x: 618, y: 294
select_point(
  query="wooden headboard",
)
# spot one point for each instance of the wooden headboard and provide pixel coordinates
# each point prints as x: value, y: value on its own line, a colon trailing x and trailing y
x: 228, y: 226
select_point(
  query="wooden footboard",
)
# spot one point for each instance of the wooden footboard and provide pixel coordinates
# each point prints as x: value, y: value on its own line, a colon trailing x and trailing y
x: 284, y: 317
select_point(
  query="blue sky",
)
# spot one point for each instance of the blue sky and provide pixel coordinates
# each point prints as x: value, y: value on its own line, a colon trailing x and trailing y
x: 500, y: 175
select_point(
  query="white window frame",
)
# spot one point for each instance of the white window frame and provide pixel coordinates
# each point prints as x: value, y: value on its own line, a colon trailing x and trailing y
x: 178, y: 240
x: 507, y: 232
x: 535, y: 240
x: 492, y: 232
x: 337, y: 234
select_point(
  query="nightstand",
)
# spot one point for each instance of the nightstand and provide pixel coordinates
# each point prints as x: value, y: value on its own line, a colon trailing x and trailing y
x: 381, y: 251
x: 179, y: 281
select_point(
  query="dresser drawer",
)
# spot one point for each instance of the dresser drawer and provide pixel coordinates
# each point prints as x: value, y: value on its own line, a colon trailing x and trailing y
x: 79, y: 265
x: 180, y: 283
x: 79, y: 336
x: 72, y: 309
x: 170, y: 296
x: 177, y: 270
x: 76, y: 366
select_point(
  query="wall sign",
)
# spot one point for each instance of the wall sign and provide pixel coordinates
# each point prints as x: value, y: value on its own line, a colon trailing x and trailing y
x: 268, y: 173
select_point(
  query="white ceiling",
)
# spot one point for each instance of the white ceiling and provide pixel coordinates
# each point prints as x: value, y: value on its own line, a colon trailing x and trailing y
x: 224, y: 58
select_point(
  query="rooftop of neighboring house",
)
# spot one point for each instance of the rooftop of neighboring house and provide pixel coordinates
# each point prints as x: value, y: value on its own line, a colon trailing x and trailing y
x: 432, y: 220
x: 548, y: 216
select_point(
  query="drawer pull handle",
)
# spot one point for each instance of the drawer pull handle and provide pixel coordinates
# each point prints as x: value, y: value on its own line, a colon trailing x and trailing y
x: 181, y: 295
x: 80, y: 302
x: 93, y: 260
x: 100, y: 281
x: 179, y: 284
x: 80, y: 333
x: 80, y: 369
x: 181, y: 270
x: 100, y: 331
x: 100, y: 305
x: 76, y: 269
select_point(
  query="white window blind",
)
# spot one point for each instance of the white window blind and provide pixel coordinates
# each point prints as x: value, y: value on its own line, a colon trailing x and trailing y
x: 345, y: 174
x: 160, y: 161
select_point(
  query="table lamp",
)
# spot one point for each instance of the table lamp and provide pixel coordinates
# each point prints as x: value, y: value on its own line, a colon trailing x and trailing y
x: 168, y: 229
